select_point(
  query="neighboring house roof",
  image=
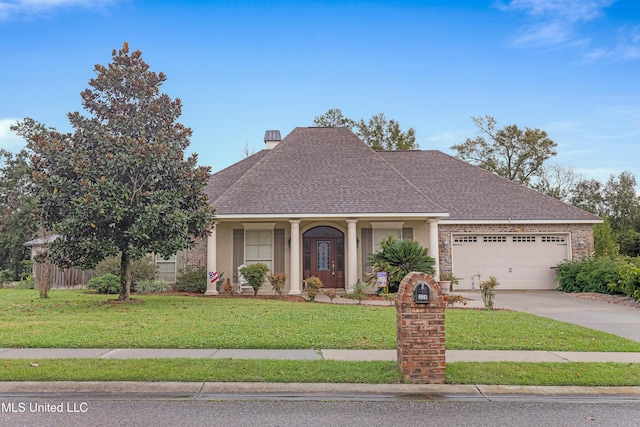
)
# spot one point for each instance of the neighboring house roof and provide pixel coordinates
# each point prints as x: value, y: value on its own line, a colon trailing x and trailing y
x: 471, y: 193
x: 317, y: 171
x: 41, y: 241
x: 330, y: 171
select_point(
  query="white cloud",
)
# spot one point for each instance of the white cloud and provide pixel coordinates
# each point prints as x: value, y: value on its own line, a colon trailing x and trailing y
x: 555, y: 22
x: 564, y: 10
x: 8, y: 139
x: 10, y: 8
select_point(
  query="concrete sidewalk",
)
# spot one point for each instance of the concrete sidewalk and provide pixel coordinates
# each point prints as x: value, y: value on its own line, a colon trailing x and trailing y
x: 341, y: 355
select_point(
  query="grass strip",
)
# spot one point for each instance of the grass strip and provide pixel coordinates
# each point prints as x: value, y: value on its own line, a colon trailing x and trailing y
x: 545, y: 374
x: 219, y: 370
x: 316, y: 371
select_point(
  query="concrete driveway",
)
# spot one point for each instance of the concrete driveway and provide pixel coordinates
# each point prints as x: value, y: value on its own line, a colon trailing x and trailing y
x: 602, y: 316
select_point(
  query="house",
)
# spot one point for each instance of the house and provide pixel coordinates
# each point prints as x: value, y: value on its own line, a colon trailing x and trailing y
x: 319, y: 201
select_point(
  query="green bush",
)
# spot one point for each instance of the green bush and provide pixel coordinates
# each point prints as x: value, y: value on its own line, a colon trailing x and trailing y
x: 359, y: 292
x: 487, y: 291
x: 589, y: 274
x: 27, y: 282
x: 141, y: 269
x: 398, y: 258
x: 6, y: 277
x: 629, y: 279
x: 255, y: 275
x: 105, y: 284
x: 154, y: 286
x: 192, y: 279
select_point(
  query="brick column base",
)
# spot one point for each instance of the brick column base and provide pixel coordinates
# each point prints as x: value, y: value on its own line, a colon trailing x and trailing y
x: 421, y: 353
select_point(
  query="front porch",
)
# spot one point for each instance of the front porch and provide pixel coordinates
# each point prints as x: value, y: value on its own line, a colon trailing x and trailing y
x: 334, y: 249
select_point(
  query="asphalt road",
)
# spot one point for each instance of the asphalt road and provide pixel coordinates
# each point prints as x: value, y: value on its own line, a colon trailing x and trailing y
x: 325, y: 413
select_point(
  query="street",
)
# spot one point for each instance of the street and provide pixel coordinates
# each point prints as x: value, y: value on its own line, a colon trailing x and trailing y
x: 328, y: 411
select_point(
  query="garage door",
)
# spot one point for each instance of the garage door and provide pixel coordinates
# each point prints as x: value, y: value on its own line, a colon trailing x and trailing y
x: 518, y: 261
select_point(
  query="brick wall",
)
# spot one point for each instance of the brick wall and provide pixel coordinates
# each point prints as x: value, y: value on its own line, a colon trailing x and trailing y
x: 197, y: 256
x: 420, y: 332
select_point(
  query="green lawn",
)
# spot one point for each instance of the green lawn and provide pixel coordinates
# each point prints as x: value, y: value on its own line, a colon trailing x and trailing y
x: 314, y: 371
x: 76, y: 319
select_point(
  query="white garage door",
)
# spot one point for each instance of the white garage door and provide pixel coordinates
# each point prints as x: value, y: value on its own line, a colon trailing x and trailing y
x: 518, y: 261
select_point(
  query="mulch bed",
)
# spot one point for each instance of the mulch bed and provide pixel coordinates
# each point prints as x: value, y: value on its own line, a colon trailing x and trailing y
x: 611, y: 299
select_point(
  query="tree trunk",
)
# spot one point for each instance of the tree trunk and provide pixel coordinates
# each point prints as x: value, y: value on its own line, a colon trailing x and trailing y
x: 125, y: 277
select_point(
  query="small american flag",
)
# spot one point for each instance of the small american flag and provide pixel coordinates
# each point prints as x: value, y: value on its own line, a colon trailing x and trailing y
x: 214, y: 276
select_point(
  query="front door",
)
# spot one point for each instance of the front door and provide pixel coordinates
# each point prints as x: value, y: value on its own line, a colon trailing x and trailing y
x: 324, y: 256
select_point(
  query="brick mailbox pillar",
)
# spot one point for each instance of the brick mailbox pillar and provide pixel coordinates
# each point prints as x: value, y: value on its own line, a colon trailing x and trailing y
x: 420, y: 326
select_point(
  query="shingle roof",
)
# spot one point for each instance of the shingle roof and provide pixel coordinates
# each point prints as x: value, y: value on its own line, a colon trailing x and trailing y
x: 316, y: 171
x: 330, y: 171
x: 471, y: 193
x: 222, y: 180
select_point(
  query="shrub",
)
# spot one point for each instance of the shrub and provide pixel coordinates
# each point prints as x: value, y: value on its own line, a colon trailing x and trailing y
x: 359, y: 292
x: 192, y: 279
x: 487, y: 290
x: 141, y: 269
x: 5, y: 277
x: 154, y: 286
x: 589, y: 274
x: 331, y: 294
x: 398, y: 258
x: 451, y: 299
x: 277, y: 281
x: 629, y: 279
x: 105, y: 284
x: 255, y: 275
x: 313, y: 287
x: 27, y: 282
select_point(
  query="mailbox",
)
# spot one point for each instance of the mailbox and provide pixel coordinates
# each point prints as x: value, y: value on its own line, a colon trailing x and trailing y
x: 421, y: 293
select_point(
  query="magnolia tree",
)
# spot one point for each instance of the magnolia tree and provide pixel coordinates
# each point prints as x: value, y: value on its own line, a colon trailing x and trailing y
x: 119, y: 184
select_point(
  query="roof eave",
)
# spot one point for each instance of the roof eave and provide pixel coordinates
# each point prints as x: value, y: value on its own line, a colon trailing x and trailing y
x: 520, y: 221
x: 420, y: 215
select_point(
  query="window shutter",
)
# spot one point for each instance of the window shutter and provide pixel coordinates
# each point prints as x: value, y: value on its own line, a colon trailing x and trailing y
x: 407, y: 233
x: 366, y: 244
x: 278, y: 250
x: 238, y: 252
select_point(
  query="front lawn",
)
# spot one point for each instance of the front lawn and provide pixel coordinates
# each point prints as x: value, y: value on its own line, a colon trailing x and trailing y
x: 76, y: 319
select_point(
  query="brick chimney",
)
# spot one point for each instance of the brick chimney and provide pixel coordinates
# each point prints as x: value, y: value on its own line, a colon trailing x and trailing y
x: 271, y: 138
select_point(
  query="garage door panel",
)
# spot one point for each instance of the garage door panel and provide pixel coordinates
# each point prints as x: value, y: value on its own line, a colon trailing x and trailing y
x: 520, y: 261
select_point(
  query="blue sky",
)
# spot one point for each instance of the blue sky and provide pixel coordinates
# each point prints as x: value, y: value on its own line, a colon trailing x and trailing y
x: 569, y: 67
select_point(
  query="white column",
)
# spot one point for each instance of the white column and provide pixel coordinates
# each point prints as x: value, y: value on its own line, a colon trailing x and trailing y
x: 434, y: 252
x: 294, y: 270
x: 352, y: 255
x: 211, y: 261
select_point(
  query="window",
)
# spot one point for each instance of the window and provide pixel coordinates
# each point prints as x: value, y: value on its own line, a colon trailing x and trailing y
x: 380, y: 234
x: 465, y: 239
x: 258, y: 247
x: 553, y: 239
x: 166, y: 268
x: 494, y: 239
x: 524, y: 239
